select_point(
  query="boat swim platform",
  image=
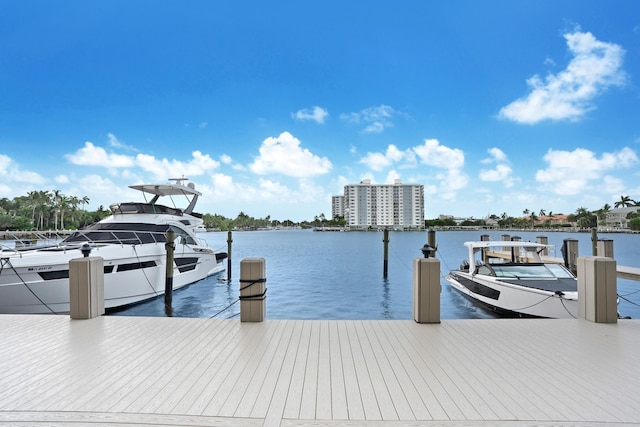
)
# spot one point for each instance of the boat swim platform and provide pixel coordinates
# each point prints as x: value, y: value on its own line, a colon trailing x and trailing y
x: 144, y: 371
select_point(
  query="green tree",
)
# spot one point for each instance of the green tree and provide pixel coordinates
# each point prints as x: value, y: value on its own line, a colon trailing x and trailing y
x: 625, y: 201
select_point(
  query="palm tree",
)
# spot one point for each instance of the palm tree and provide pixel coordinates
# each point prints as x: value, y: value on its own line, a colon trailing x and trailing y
x: 625, y: 201
x: 542, y: 212
x: 602, y: 213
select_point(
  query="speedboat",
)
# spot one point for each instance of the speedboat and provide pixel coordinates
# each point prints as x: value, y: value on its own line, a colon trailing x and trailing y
x: 131, y: 241
x: 511, y: 278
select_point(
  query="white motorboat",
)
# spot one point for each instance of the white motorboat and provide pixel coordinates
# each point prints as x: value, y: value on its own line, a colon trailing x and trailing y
x: 511, y: 278
x: 132, y: 243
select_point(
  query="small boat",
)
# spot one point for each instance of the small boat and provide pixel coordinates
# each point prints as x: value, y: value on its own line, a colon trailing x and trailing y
x: 511, y: 278
x: 131, y: 241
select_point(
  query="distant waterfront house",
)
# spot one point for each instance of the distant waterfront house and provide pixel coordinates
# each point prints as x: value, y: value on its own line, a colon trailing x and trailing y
x: 554, y: 220
x: 618, y: 217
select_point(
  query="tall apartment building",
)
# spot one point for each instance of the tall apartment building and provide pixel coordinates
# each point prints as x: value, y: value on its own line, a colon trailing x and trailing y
x: 337, y: 206
x: 397, y: 205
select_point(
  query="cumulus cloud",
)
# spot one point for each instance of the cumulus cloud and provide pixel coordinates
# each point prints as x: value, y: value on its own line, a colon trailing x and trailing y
x: 198, y: 165
x: 90, y: 155
x: 379, y: 161
x: 116, y: 143
x: 285, y: 156
x: 375, y: 119
x: 568, y: 95
x: 434, y: 154
x: 570, y: 172
x: 10, y: 171
x: 316, y: 114
x: 502, y: 171
x: 495, y: 155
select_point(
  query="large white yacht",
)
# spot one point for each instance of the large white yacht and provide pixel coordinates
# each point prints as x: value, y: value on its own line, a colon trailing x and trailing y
x: 132, y: 243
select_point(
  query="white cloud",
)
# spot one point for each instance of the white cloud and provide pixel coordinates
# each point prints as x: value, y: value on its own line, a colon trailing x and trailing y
x: 10, y: 171
x: 90, y: 155
x: 495, y: 155
x: 376, y: 119
x: 570, y: 172
x: 379, y: 161
x: 316, y: 114
x: 434, y: 154
x: 116, y: 143
x: 392, y: 176
x: 284, y: 155
x: 502, y: 172
x: 62, y: 179
x: 162, y: 168
x: 568, y: 95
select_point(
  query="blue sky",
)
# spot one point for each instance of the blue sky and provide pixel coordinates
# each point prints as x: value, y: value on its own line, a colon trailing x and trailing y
x: 272, y: 107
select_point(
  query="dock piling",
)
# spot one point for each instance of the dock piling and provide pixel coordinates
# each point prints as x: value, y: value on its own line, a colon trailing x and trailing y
x: 597, y: 289
x: 229, y: 241
x: 86, y: 287
x: 168, y: 283
x: 385, y: 262
x: 426, y: 290
x: 253, y: 291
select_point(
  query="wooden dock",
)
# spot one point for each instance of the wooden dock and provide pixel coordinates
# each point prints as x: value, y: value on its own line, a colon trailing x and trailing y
x: 56, y: 371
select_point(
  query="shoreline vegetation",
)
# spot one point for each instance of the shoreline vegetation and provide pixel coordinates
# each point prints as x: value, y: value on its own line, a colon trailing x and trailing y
x: 50, y: 210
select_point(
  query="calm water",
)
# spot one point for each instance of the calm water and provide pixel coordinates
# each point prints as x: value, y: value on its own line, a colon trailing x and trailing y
x: 332, y: 275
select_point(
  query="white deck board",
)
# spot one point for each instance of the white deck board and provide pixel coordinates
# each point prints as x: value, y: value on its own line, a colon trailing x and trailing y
x: 212, y: 372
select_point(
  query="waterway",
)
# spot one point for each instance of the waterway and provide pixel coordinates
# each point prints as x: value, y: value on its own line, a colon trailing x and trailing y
x: 339, y: 275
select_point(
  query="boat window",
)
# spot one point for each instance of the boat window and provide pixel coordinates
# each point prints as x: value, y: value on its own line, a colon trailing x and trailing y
x: 483, y: 269
x: 185, y: 237
x: 559, y: 271
x: 520, y: 271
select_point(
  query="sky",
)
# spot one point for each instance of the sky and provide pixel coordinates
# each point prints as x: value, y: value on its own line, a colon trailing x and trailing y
x: 270, y: 108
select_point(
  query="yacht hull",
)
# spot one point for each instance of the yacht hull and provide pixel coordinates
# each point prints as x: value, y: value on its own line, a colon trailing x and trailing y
x: 38, y: 281
x: 507, y: 298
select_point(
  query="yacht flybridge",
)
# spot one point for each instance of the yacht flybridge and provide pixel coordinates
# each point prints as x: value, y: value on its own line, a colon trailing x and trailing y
x: 35, y: 279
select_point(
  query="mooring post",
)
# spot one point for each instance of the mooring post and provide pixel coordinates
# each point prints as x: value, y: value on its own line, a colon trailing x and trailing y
x: 229, y: 241
x: 597, y: 289
x: 431, y: 241
x: 168, y: 283
x: 385, y: 262
x: 605, y: 248
x: 253, y: 289
x: 86, y: 286
x: 543, y: 240
x: 570, y: 254
x: 426, y: 288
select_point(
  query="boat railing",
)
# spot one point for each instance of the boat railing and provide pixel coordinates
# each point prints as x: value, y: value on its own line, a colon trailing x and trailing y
x: 21, y: 241
x: 120, y: 237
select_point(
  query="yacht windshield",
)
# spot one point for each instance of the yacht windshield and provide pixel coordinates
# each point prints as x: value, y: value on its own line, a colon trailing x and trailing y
x: 523, y: 271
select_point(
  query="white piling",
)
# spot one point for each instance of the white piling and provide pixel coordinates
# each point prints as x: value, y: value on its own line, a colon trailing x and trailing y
x: 86, y: 287
x: 604, y: 248
x: 597, y: 289
x: 426, y: 290
x: 253, y: 291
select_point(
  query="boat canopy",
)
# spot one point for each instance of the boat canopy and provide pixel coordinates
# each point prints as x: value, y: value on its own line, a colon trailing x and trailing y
x: 524, y: 250
x: 177, y: 189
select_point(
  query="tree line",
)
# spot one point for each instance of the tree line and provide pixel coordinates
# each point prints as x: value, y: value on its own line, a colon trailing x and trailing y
x: 52, y: 210
x: 47, y: 210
